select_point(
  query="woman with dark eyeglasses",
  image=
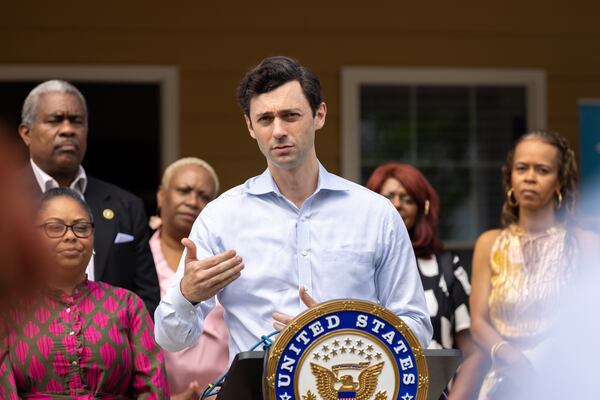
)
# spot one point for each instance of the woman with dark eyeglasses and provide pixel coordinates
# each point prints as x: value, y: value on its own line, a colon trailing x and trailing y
x: 79, y: 339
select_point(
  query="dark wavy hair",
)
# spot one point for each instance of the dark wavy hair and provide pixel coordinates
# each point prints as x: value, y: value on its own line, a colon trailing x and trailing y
x: 424, y: 234
x: 273, y: 72
x: 567, y: 176
x: 64, y: 192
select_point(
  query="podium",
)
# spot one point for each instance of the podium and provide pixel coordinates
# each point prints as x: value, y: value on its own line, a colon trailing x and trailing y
x: 245, y: 376
x: 442, y: 365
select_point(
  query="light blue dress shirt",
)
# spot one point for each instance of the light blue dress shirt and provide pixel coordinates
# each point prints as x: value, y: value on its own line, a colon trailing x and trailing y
x: 344, y: 242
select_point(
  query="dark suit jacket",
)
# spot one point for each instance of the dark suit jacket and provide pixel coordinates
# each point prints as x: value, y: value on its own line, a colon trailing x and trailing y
x: 130, y: 264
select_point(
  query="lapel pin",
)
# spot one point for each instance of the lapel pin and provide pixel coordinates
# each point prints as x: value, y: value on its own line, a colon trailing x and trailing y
x: 108, y: 213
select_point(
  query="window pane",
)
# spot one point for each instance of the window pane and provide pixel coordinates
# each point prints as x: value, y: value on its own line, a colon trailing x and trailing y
x: 489, y: 187
x: 443, y: 123
x: 501, y: 118
x: 457, y: 201
x: 385, y: 124
x: 458, y: 136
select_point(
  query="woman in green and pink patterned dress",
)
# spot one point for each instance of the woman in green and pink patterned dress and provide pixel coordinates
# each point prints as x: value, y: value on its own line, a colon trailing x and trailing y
x: 78, y: 339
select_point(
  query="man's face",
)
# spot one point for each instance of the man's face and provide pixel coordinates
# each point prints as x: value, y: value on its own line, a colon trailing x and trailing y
x: 282, y: 123
x: 57, y: 137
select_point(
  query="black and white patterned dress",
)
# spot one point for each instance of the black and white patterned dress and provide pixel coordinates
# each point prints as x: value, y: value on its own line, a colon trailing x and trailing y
x: 448, y: 303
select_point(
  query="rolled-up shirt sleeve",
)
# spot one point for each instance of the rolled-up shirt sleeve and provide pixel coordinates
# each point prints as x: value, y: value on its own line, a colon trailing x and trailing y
x: 177, y: 322
x: 398, y: 282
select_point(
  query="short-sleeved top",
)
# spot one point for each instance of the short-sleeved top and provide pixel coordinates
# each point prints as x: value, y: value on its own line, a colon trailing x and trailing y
x: 448, y: 303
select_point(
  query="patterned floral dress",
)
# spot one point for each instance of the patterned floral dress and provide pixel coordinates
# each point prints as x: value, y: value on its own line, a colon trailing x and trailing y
x: 96, y: 343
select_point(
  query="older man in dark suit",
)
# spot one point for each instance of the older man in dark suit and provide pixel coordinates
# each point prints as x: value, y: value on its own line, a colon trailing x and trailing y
x: 54, y: 128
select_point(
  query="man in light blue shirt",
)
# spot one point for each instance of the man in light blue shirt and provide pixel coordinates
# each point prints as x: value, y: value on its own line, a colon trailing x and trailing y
x: 294, y: 235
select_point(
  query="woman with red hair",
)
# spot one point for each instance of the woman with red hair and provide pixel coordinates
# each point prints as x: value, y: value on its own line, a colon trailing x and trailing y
x: 445, y: 281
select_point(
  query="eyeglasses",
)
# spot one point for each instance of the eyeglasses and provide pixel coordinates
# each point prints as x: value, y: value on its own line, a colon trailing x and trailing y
x: 56, y: 230
x: 402, y: 198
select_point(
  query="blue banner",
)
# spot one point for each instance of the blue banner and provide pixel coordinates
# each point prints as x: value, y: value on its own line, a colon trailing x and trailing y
x: 589, y: 157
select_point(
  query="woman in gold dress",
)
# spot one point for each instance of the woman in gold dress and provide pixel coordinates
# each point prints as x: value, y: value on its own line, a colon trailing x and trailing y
x: 519, y: 271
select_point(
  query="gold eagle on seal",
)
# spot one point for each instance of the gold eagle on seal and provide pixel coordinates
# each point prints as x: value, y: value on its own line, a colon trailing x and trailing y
x: 327, y: 380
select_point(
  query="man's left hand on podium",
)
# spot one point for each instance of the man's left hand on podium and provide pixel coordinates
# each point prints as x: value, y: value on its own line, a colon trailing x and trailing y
x: 281, y: 320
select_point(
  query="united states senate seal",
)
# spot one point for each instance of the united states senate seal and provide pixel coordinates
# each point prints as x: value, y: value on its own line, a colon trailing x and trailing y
x: 346, y: 349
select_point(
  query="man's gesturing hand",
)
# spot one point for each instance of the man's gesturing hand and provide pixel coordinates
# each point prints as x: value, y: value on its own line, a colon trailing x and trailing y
x: 203, y: 278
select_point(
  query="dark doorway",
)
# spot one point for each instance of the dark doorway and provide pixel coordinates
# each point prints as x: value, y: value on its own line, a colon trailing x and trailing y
x: 124, y: 131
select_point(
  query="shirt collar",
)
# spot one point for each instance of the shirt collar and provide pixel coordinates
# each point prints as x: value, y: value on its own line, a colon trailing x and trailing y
x: 265, y: 183
x: 46, y: 182
x: 81, y: 288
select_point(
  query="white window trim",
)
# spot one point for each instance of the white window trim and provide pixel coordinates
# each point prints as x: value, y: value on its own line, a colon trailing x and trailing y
x: 167, y: 77
x: 353, y: 77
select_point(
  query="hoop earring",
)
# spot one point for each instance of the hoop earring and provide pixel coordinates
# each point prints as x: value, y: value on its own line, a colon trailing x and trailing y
x: 426, y: 211
x: 509, y: 198
x: 559, y: 198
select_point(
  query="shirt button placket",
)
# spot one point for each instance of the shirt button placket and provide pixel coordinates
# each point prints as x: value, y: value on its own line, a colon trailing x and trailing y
x: 74, y: 316
x: 303, y: 244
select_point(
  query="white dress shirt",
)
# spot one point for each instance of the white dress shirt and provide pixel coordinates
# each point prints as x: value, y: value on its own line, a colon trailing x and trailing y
x: 344, y: 242
x: 46, y: 182
x: 79, y: 184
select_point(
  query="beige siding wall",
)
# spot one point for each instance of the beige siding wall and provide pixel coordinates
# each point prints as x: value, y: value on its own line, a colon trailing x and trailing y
x: 214, y: 43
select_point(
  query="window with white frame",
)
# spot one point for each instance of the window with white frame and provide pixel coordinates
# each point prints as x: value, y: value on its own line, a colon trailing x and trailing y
x: 455, y: 125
